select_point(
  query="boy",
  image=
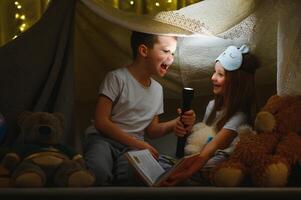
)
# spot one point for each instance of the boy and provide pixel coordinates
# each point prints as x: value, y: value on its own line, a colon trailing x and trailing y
x: 128, y: 105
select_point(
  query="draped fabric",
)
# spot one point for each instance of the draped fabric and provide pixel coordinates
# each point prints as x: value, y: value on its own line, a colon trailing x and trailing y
x: 37, y: 69
x: 261, y: 24
x: 289, y: 48
x: 258, y: 29
x: 195, y: 56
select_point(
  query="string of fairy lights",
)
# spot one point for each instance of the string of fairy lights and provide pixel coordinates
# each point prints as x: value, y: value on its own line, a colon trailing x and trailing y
x: 20, y: 17
x: 150, y: 6
x: 157, y: 3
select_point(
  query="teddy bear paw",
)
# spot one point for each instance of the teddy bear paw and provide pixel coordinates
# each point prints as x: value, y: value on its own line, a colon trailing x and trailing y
x: 81, y: 178
x: 29, y: 179
x: 27, y: 175
x: 72, y: 174
x: 4, y: 177
x: 228, y: 177
x: 275, y: 175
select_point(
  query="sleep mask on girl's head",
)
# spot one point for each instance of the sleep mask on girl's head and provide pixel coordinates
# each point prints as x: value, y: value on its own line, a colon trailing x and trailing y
x: 231, y: 58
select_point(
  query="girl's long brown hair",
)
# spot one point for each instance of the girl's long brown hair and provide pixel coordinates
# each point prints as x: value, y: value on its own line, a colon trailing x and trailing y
x: 239, y: 94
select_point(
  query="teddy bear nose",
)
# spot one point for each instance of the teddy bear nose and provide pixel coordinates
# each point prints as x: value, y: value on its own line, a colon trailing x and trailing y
x: 45, y: 130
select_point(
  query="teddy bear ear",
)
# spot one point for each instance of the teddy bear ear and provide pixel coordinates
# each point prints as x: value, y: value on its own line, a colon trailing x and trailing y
x: 61, y: 117
x: 273, y: 104
x: 22, y: 116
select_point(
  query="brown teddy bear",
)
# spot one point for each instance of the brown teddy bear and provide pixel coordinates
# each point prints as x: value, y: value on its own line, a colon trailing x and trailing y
x: 268, y: 154
x: 40, y: 160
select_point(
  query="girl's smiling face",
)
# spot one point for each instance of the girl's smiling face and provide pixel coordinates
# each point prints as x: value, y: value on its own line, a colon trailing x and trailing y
x: 218, y: 79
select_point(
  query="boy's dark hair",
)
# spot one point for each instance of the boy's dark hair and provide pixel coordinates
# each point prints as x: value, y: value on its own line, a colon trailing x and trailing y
x: 138, y: 38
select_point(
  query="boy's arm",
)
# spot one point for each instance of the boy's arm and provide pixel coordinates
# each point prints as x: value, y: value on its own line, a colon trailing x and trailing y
x: 103, y: 123
x: 157, y: 129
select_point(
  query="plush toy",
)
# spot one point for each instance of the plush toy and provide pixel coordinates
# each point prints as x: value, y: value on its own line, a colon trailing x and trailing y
x: 40, y: 160
x: 200, y: 135
x: 4, y: 170
x: 267, y: 157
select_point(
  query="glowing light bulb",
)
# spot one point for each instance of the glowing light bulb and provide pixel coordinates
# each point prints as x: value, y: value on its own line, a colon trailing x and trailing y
x: 15, y: 37
x: 19, y: 6
x: 16, y: 3
x: 17, y: 15
x: 22, y: 17
x: 169, y: 1
x: 132, y: 2
x: 22, y: 27
x: 157, y: 4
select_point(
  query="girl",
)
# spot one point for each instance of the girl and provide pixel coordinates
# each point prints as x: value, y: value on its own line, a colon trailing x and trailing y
x: 233, y: 105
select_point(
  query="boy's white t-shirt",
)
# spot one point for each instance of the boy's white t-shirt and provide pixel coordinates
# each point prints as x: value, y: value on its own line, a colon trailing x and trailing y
x: 134, y: 105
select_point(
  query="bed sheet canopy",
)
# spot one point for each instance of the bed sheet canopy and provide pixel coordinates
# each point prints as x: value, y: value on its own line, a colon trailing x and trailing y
x: 208, y: 27
x: 40, y: 67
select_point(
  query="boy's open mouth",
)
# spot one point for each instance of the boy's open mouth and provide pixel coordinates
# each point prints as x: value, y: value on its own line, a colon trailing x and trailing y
x: 164, y: 66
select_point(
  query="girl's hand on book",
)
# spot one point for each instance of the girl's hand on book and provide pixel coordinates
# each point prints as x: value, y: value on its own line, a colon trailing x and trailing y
x: 184, y: 171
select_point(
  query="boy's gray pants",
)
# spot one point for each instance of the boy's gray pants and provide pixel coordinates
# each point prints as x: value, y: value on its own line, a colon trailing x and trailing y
x: 105, y: 157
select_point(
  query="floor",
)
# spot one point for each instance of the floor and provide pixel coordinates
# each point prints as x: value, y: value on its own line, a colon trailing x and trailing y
x: 152, y: 193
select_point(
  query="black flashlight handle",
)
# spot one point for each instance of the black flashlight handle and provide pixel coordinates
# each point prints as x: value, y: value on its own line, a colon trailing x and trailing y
x: 186, y: 105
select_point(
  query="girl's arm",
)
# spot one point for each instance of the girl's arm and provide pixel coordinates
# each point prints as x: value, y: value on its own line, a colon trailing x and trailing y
x: 221, y: 141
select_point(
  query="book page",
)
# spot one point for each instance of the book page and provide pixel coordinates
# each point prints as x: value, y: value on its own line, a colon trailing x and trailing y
x: 147, y: 164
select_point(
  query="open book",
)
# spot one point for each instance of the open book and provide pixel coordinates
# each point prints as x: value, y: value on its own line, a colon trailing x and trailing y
x: 149, y: 169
